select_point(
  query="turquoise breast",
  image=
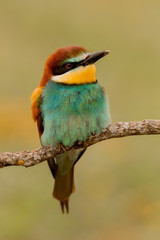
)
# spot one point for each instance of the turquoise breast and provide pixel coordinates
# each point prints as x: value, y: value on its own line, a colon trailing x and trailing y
x: 72, y: 112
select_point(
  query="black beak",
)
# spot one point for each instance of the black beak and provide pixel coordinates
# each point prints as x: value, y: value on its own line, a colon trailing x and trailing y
x: 93, y: 57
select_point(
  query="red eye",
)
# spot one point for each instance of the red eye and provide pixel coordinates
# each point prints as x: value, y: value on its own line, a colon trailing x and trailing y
x: 69, y: 65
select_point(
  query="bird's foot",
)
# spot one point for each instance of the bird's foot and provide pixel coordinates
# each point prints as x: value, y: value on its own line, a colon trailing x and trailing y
x: 60, y: 146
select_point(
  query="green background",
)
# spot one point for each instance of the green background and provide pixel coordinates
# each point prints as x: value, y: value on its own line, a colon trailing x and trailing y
x: 117, y: 181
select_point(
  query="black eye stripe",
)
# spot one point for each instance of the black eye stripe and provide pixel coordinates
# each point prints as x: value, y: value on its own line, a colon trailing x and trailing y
x: 63, y: 69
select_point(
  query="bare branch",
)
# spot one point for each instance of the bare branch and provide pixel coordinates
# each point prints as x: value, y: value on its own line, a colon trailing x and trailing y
x: 115, y: 130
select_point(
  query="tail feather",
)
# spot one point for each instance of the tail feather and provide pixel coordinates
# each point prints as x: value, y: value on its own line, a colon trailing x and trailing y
x: 63, y: 188
x: 65, y: 205
x: 62, y: 168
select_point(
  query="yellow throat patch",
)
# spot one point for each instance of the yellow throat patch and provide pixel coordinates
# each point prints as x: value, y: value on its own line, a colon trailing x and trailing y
x: 80, y: 75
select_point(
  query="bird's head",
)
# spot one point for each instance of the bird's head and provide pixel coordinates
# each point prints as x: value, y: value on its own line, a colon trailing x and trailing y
x: 71, y: 65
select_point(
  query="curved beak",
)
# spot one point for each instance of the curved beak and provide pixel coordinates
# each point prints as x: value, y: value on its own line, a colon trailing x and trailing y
x: 94, y: 57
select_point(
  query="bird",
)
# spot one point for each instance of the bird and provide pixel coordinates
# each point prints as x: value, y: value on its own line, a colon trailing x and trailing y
x: 69, y: 105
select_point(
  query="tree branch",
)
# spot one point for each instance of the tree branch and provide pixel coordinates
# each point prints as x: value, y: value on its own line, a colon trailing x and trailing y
x: 115, y: 130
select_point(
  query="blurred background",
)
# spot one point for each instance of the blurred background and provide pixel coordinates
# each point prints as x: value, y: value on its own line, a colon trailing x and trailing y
x: 117, y: 181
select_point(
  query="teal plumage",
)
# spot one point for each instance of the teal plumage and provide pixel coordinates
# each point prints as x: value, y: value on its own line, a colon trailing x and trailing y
x: 72, y: 112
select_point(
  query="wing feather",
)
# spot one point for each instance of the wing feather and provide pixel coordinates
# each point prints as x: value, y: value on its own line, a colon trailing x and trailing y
x: 36, y: 100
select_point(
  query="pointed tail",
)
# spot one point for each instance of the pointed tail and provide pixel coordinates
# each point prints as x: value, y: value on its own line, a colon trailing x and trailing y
x: 63, y: 188
x: 62, y: 168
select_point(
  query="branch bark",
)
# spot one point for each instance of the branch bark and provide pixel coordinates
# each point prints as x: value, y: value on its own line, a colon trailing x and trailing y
x: 115, y: 130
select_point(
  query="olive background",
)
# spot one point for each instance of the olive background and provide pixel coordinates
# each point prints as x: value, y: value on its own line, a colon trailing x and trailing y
x: 117, y: 181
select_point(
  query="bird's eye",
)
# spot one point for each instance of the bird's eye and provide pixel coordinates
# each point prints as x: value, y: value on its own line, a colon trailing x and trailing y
x: 69, y: 65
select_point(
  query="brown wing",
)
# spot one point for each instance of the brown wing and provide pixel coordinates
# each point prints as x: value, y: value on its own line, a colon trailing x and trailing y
x: 36, y: 100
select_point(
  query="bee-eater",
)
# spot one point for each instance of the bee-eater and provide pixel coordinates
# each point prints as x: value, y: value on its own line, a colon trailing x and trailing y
x: 69, y: 105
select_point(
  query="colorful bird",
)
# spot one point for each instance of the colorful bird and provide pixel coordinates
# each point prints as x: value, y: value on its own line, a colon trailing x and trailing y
x: 69, y: 105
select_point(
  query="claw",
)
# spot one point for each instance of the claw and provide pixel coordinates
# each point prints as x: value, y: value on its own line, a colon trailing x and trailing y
x: 61, y: 147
